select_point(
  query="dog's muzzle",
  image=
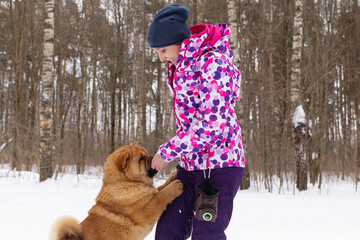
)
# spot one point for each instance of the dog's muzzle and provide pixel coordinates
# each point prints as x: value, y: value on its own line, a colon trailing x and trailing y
x: 152, y: 172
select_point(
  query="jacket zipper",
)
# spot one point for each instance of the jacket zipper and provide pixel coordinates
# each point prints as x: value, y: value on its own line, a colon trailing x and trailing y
x: 172, y: 87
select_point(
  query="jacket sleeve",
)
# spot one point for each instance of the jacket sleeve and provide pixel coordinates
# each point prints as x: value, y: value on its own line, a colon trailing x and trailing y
x: 218, y: 86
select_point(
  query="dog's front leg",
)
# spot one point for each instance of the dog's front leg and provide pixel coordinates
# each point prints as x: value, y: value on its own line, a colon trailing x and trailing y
x: 168, y: 181
x: 157, y: 204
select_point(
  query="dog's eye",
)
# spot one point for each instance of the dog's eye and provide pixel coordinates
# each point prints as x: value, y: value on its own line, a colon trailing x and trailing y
x: 142, y: 158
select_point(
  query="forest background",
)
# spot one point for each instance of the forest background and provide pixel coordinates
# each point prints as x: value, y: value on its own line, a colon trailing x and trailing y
x: 109, y: 88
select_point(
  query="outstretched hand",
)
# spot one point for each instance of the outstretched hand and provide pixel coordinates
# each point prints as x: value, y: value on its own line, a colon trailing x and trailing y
x: 158, y: 163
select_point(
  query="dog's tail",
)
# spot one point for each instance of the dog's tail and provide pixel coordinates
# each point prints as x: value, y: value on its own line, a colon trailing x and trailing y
x: 66, y: 228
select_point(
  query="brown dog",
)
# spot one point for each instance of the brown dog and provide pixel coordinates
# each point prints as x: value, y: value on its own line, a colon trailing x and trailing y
x: 128, y: 204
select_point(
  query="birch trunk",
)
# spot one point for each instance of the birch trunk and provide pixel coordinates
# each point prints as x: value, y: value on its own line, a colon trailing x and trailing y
x: 199, y: 6
x: 234, y: 40
x: 295, y: 89
x: 46, y: 123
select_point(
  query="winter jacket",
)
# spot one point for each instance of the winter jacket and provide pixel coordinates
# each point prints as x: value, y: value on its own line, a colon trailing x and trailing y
x: 205, y: 86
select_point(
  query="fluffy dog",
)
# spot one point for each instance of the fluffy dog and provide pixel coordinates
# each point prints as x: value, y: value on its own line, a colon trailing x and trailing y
x: 128, y: 204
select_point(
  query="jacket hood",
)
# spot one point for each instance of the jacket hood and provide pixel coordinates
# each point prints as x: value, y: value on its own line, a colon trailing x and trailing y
x: 205, y: 37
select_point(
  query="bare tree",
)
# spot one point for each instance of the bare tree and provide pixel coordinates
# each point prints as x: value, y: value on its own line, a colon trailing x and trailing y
x: 110, y: 88
x: 299, y: 130
x: 234, y: 43
x: 46, y: 123
x: 84, y: 40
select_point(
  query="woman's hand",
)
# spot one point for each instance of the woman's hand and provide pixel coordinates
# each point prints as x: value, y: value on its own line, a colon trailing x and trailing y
x: 158, y: 163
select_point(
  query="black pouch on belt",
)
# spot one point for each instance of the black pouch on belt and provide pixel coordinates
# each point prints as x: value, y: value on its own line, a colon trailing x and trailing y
x: 206, y: 206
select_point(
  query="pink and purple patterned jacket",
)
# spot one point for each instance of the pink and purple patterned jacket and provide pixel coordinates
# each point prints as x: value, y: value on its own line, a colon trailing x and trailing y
x: 205, y: 86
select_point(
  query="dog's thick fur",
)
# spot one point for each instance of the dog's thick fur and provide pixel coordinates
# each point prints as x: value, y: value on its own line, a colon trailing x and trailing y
x: 128, y: 204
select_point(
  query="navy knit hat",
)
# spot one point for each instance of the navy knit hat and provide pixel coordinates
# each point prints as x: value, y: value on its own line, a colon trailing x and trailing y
x: 169, y: 26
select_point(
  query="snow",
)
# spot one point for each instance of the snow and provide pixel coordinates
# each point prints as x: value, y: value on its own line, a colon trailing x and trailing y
x: 28, y: 208
x: 299, y: 116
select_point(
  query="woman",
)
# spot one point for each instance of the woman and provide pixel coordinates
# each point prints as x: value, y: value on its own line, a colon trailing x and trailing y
x: 205, y: 86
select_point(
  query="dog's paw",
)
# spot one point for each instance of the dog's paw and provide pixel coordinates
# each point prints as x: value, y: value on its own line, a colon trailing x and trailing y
x: 176, y: 188
x: 172, y: 176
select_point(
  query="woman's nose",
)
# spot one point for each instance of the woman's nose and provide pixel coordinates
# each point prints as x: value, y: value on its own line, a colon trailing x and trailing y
x: 162, y: 59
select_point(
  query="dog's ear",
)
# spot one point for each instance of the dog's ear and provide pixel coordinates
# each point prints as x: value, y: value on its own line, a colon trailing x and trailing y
x: 135, y: 143
x: 121, y: 159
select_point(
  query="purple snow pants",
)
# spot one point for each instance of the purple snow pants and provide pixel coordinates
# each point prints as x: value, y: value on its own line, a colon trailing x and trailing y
x: 178, y: 221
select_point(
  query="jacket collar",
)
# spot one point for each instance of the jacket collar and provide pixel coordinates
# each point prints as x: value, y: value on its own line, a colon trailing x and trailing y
x: 204, y: 38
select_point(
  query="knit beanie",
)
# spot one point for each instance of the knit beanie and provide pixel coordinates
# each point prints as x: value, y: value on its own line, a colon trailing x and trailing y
x: 169, y: 26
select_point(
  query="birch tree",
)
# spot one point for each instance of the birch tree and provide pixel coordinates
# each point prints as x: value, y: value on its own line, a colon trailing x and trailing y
x: 46, y: 123
x: 234, y: 40
x: 119, y: 68
x: 298, y: 114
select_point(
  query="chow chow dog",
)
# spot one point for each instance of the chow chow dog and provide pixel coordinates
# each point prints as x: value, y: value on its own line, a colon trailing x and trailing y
x: 128, y: 204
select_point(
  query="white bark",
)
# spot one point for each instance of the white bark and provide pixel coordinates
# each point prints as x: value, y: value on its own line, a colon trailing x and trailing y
x: 3, y: 146
x: 234, y: 39
x: 299, y: 128
x: 234, y: 45
x: 47, y: 82
x: 296, y: 55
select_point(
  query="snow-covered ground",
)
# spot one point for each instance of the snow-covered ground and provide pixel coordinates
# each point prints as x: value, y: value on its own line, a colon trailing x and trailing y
x: 28, y: 209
